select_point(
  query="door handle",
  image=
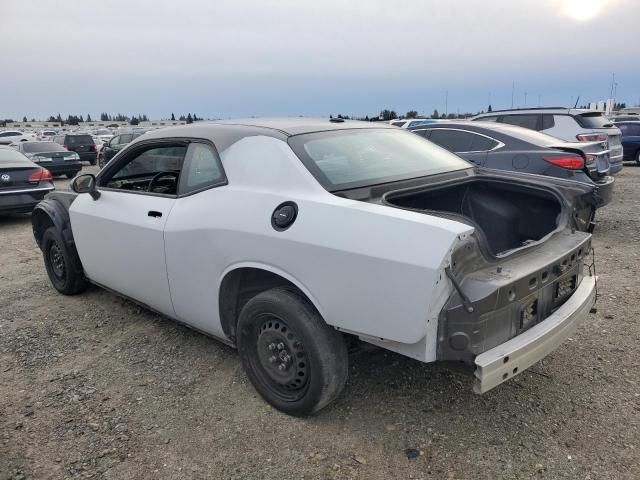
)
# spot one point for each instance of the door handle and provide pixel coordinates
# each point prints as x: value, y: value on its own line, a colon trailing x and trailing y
x: 153, y: 213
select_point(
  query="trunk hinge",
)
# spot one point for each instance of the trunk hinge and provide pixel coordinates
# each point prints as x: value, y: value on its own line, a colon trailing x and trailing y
x: 465, y: 300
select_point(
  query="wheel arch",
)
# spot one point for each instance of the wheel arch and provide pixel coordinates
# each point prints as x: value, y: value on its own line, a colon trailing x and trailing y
x: 51, y: 213
x: 241, y: 282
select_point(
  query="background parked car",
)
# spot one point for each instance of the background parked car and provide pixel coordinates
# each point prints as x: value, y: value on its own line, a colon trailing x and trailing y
x: 47, y: 135
x: 506, y: 147
x: 630, y: 140
x: 54, y: 157
x: 81, y: 143
x: 114, y: 145
x: 412, y: 122
x: 103, y: 135
x: 8, y: 137
x: 22, y: 183
x: 569, y: 124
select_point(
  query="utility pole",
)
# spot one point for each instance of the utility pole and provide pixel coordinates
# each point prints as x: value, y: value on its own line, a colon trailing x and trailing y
x: 613, y: 82
x: 525, y: 99
x: 539, y: 96
x: 513, y: 90
x: 489, y: 99
x: 446, y: 102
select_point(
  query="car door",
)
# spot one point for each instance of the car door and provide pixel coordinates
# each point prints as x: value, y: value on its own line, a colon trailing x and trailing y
x: 192, y: 246
x: 120, y: 235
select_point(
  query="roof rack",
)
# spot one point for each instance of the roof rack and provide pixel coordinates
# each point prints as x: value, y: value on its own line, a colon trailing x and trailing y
x: 530, y: 108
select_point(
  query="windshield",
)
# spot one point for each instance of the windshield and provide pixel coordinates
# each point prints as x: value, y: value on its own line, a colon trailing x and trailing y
x: 357, y: 158
x: 37, y: 147
x: 9, y: 155
x: 79, y: 140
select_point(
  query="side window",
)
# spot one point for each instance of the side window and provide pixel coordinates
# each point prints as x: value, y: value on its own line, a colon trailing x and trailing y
x: 488, y: 119
x: 422, y: 133
x: 483, y: 144
x: 203, y: 169
x: 125, y: 138
x: 152, y: 170
x: 547, y: 122
x: 525, y: 121
x: 452, y: 140
x: 634, y: 130
x: 114, y: 141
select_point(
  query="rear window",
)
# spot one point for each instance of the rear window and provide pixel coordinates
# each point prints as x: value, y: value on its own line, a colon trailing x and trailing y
x: 9, y: 155
x: 36, y: 147
x: 79, y: 140
x: 358, y: 158
x: 593, y: 120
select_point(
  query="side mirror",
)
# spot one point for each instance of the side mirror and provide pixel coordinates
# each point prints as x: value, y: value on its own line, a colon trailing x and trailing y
x: 85, y: 184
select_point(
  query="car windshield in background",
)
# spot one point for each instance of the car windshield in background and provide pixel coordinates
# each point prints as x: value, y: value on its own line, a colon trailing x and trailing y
x: 79, y: 140
x: 37, y: 147
x: 358, y: 158
x: 104, y: 131
x: 594, y: 120
x: 9, y: 155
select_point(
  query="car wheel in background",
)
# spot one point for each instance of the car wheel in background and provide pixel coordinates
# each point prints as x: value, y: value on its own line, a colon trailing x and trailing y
x: 70, y: 175
x: 638, y: 158
x: 101, y: 161
x: 292, y: 357
x: 63, y: 265
x: 94, y: 161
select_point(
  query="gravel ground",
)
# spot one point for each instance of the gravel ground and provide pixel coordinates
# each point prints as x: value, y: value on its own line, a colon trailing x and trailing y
x: 93, y: 386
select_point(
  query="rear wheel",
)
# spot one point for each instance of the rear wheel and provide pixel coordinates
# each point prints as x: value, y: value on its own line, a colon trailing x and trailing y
x: 62, y: 264
x: 638, y: 158
x: 101, y: 161
x: 292, y: 357
x: 94, y: 161
x: 71, y: 175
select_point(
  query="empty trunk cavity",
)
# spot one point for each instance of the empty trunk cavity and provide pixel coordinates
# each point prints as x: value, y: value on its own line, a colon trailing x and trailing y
x: 509, y: 216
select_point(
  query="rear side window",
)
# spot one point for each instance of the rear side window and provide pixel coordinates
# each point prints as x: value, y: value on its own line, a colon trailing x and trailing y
x: 629, y: 129
x: 482, y: 143
x: 452, y: 140
x: 526, y: 121
x: 203, y: 169
x: 398, y: 124
x: 593, y: 120
x: 547, y: 122
x: 487, y: 119
x: 125, y: 138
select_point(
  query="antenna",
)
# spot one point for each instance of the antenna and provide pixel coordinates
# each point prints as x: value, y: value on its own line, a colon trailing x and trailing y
x: 577, y: 99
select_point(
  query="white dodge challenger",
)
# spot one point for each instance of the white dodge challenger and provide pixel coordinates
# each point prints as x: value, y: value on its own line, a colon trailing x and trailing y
x: 291, y: 238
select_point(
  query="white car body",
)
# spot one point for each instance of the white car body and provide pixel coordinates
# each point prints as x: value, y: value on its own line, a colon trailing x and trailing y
x: 8, y: 137
x: 372, y: 270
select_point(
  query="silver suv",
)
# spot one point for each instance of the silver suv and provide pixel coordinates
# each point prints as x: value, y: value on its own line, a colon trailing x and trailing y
x: 569, y: 124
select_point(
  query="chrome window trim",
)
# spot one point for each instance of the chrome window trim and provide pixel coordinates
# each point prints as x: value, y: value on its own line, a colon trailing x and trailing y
x: 29, y: 190
x: 499, y: 145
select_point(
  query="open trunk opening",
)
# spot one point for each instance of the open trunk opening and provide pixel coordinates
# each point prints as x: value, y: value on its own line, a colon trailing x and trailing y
x: 509, y: 216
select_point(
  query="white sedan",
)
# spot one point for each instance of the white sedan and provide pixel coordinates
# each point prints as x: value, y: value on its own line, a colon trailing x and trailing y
x: 8, y: 137
x: 291, y: 238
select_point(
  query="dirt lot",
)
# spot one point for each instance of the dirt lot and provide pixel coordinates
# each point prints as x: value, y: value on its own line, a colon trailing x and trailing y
x: 95, y: 387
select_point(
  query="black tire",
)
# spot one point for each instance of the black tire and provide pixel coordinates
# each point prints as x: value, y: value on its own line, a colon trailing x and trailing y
x: 101, y: 161
x: 94, y: 161
x: 70, y: 175
x: 281, y: 323
x: 638, y: 158
x: 62, y: 263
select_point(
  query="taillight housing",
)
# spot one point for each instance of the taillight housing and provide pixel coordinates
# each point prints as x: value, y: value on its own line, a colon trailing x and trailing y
x: 41, y: 175
x: 592, y: 137
x: 590, y: 159
x: 92, y: 147
x: 570, y: 162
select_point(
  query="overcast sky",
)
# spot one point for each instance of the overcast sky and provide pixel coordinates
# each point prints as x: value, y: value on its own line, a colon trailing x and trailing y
x: 298, y: 57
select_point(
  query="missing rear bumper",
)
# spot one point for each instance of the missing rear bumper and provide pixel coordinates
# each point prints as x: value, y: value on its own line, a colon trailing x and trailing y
x: 507, y: 360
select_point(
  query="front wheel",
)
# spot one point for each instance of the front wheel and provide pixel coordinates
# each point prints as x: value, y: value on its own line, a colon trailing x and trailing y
x: 62, y: 264
x: 292, y: 357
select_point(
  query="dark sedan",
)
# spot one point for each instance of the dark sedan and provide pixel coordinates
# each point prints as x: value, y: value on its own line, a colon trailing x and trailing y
x: 630, y: 140
x: 22, y: 183
x: 52, y: 156
x: 507, y: 147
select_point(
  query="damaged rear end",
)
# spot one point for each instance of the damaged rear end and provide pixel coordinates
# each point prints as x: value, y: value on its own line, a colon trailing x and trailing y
x: 520, y: 285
